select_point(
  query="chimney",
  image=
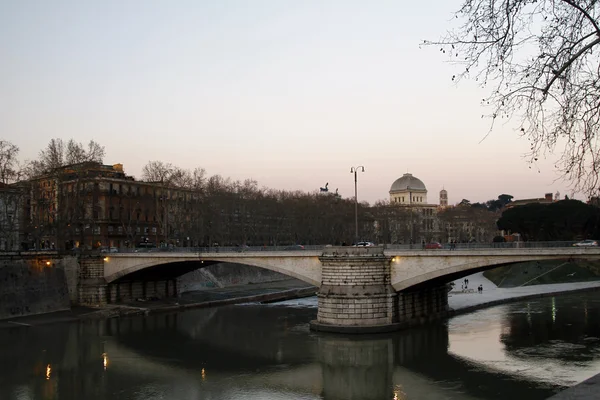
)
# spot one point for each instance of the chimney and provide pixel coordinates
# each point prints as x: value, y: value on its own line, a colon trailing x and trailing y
x: 548, y: 196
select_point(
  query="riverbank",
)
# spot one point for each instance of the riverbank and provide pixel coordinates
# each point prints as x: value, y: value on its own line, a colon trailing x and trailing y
x: 463, y: 301
x: 267, y: 292
x: 459, y: 301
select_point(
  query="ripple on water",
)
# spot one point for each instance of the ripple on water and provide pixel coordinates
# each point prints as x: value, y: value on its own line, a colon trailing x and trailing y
x: 552, y: 349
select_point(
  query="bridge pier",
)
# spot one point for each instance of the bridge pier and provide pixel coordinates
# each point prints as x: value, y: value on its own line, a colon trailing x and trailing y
x: 421, y: 306
x: 355, y: 294
x: 132, y: 290
x: 92, y: 287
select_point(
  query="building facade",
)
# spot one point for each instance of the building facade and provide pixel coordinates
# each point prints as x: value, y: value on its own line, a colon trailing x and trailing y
x: 412, y: 219
x: 92, y: 206
x: 10, y: 218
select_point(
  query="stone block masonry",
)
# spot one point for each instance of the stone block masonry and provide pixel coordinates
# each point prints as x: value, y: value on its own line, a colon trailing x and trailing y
x: 133, y: 290
x: 31, y: 284
x: 356, y: 291
x: 92, y: 285
x: 417, y: 307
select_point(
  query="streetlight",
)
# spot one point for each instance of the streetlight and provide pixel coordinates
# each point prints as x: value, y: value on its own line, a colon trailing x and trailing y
x: 355, y: 170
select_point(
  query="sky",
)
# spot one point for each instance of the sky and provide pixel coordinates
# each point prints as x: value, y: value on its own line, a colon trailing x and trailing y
x: 289, y: 93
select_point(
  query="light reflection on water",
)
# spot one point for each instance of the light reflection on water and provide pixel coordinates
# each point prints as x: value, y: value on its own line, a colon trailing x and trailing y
x: 485, y: 337
x: 521, y: 350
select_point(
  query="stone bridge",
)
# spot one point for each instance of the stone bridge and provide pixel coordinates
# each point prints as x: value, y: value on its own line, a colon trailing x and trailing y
x: 360, y: 289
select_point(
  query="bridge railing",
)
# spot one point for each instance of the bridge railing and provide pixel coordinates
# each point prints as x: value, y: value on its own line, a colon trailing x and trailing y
x: 475, y: 246
x: 220, y: 249
x: 299, y: 248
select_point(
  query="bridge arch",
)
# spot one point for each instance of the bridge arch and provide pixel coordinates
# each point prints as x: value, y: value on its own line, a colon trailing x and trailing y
x: 304, y: 267
x: 407, y: 274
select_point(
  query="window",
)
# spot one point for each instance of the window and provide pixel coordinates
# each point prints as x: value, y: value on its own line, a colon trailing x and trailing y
x: 146, y: 230
x: 154, y: 230
x: 110, y: 229
x: 119, y: 229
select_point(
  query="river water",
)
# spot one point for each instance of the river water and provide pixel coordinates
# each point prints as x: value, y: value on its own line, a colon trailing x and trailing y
x: 526, y: 350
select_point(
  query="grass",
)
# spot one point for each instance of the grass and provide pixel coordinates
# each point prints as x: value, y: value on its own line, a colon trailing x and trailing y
x: 544, y: 272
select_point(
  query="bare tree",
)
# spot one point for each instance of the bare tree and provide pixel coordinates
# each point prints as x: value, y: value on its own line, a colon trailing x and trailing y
x: 157, y: 171
x: 8, y: 162
x: 540, y: 62
x: 58, y: 154
x: 76, y: 153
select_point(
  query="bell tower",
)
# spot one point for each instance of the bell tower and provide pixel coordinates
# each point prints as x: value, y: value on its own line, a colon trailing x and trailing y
x: 443, y: 198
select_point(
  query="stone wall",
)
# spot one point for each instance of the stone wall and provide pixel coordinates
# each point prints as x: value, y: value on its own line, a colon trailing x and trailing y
x: 226, y: 274
x: 32, y: 284
x: 425, y: 305
x: 71, y: 267
x: 92, y: 285
x: 131, y: 291
x: 356, y: 291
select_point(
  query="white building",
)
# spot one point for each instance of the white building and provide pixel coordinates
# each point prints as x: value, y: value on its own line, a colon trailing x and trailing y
x: 415, y: 220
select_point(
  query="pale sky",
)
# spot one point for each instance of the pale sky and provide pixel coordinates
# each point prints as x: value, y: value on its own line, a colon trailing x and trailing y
x: 289, y: 93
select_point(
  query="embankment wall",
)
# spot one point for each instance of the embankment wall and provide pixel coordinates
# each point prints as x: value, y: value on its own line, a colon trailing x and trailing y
x: 226, y: 274
x: 33, y: 284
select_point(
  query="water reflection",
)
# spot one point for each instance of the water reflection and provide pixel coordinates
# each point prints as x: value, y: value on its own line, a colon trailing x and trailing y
x: 550, y: 340
x: 524, y: 350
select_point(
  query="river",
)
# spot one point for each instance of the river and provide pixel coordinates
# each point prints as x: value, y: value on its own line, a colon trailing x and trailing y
x: 525, y: 350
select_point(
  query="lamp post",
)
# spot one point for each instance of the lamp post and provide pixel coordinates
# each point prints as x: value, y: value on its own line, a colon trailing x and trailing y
x: 355, y: 170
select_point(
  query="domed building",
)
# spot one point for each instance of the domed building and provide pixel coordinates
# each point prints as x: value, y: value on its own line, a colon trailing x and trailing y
x: 408, y: 190
x: 414, y: 221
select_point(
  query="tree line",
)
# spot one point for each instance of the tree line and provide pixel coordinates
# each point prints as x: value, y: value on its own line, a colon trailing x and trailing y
x: 234, y: 212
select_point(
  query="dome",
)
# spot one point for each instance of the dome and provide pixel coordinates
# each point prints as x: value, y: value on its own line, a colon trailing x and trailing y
x: 407, y: 182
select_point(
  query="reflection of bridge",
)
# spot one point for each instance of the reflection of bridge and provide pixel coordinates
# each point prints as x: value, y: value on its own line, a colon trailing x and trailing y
x: 328, y: 365
x: 369, y: 286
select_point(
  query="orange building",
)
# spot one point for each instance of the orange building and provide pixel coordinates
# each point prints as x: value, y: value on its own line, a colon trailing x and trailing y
x: 90, y: 205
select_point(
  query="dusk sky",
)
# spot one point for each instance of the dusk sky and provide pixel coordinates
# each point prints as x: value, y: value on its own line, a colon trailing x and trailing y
x: 289, y: 93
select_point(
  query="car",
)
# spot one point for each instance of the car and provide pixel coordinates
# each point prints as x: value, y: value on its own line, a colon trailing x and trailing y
x: 586, y: 243
x: 295, y: 247
x: 109, y: 250
x: 364, y: 244
x: 242, y: 248
x: 433, y: 245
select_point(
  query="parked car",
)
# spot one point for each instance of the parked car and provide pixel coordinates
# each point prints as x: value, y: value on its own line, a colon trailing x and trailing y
x: 364, y: 244
x: 295, y: 247
x: 433, y: 245
x: 586, y: 243
x: 109, y: 250
x: 242, y: 248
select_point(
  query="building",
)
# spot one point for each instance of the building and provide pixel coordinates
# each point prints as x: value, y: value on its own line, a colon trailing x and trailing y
x: 413, y: 220
x: 91, y: 205
x: 547, y: 199
x: 10, y: 218
x: 443, y: 198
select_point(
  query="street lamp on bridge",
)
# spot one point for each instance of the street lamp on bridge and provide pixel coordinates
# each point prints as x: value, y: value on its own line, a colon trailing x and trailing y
x: 355, y: 170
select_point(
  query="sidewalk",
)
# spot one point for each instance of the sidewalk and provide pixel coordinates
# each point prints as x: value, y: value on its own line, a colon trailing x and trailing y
x: 460, y: 301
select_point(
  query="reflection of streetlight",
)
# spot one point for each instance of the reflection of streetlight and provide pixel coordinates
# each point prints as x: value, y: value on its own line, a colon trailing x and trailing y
x: 355, y: 170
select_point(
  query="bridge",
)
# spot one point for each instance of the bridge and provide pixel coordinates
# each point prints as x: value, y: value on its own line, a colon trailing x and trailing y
x: 360, y: 288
